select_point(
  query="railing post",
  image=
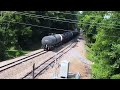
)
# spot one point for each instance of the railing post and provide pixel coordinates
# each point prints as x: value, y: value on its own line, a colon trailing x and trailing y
x: 33, y: 69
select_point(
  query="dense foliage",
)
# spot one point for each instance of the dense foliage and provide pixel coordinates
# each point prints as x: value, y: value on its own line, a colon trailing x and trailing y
x: 23, y: 30
x: 102, y: 32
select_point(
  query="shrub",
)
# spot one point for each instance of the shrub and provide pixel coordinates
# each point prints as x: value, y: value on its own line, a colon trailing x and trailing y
x: 100, y: 71
x: 117, y: 76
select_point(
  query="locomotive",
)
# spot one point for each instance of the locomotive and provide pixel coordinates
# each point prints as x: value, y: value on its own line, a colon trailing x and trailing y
x: 51, y: 41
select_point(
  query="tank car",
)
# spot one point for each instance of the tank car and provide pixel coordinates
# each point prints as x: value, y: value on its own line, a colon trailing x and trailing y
x: 49, y: 42
x: 67, y: 36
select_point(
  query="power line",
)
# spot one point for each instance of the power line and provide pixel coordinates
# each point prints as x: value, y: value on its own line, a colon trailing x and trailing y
x: 104, y: 17
x: 80, y: 14
x: 105, y: 35
x: 63, y: 21
x: 35, y: 25
x: 91, y: 16
x: 89, y: 23
x: 44, y: 26
x: 96, y: 25
x: 111, y: 18
x: 64, y: 13
x: 47, y: 17
x: 100, y: 26
x: 48, y: 27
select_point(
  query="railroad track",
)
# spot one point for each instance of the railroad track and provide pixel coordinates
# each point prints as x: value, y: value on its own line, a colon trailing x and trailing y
x: 45, y: 65
x: 19, y: 61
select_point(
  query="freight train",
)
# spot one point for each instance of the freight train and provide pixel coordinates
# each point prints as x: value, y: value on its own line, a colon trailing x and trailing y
x: 51, y: 41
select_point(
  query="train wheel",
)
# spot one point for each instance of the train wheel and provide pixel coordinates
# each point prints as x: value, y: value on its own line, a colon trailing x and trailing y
x: 48, y: 48
x: 45, y: 48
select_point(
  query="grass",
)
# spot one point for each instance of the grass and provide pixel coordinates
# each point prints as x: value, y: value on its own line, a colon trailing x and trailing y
x: 117, y: 76
x: 15, y: 53
x: 89, y: 53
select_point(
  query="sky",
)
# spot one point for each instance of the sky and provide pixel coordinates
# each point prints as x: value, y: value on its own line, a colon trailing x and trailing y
x: 80, y: 11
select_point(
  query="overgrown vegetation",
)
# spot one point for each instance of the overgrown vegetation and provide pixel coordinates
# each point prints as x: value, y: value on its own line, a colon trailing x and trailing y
x: 22, y: 31
x: 103, y: 41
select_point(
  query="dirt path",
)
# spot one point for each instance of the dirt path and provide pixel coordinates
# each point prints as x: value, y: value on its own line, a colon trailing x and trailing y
x: 78, y: 60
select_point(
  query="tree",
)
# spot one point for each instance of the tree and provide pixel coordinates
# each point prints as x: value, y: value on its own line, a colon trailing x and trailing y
x: 105, y: 45
x: 22, y: 31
